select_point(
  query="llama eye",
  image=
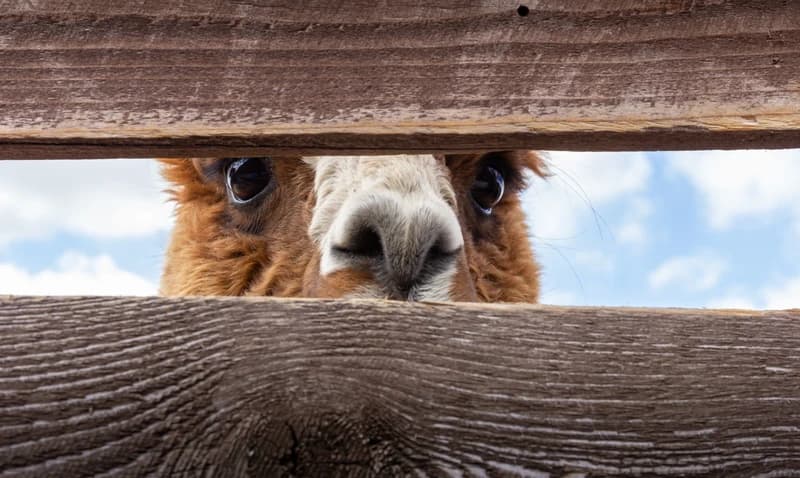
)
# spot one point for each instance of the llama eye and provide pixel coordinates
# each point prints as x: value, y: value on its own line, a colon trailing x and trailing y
x: 247, y: 178
x: 488, y: 189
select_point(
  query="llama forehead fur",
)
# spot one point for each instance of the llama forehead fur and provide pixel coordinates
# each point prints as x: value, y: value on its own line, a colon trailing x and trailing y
x: 279, y: 249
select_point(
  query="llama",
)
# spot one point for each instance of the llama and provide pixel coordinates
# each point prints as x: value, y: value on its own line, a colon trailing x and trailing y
x: 412, y: 227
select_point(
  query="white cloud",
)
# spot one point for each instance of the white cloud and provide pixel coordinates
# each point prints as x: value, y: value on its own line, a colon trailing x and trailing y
x: 570, y: 204
x: 74, y: 274
x: 784, y: 296
x: 731, y: 302
x: 558, y: 297
x: 696, y: 273
x: 632, y: 230
x: 95, y: 198
x: 741, y: 185
x: 581, y: 181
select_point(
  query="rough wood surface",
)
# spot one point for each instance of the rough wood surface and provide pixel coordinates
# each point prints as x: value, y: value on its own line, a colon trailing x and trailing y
x: 104, y: 78
x: 234, y: 387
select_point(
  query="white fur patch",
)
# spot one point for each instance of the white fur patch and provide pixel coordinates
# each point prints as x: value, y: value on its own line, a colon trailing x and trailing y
x: 438, y: 289
x: 408, y: 194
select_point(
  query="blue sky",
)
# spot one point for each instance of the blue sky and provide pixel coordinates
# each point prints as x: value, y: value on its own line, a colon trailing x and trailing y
x: 689, y: 229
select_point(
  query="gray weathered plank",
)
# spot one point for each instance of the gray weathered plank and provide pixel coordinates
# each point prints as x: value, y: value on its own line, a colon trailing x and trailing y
x: 102, y: 78
x: 247, y: 387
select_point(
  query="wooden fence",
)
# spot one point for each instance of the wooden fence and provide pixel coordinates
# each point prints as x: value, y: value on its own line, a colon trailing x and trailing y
x: 243, y: 387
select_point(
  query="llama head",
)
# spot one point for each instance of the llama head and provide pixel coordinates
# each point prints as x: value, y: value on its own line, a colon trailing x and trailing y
x: 418, y: 227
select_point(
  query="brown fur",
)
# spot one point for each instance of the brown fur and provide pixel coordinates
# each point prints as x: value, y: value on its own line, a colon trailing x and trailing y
x: 219, y: 250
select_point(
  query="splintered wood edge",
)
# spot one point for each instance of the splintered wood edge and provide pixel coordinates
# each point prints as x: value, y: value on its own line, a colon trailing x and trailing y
x: 768, y: 131
x: 504, y: 125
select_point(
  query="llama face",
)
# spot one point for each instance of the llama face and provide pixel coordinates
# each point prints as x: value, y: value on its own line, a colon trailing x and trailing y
x: 432, y: 228
x: 392, y: 217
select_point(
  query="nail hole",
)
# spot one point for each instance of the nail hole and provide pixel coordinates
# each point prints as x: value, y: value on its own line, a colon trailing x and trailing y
x: 523, y: 11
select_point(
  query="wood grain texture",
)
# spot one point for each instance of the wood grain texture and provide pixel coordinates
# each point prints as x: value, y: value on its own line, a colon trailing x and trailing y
x: 234, y: 387
x: 102, y: 78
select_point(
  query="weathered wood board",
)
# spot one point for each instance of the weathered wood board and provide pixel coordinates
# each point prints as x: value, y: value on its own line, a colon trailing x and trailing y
x: 245, y: 387
x: 103, y: 78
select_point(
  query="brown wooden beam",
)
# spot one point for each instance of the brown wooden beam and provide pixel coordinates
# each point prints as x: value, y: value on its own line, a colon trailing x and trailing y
x: 246, y: 387
x: 98, y: 78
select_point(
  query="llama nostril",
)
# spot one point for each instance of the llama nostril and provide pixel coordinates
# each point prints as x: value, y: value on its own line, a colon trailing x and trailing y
x: 405, y: 276
x: 438, y: 254
x: 403, y: 247
x: 364, y: 241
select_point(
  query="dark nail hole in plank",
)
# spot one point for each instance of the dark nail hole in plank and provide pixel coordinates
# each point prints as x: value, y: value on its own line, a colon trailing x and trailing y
x: 523, y: 11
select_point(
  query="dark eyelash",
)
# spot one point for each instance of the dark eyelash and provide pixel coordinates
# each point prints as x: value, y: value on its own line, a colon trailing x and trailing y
x: 212, y: 170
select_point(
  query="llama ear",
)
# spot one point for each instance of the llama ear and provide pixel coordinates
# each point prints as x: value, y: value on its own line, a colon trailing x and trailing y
x: 531, y: 160
x: 205, y: 173
x: 186, y: 177
x: 208, y: 169
x: 178, y: 171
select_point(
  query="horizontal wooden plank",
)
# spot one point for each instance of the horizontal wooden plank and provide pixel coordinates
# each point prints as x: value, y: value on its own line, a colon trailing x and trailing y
x: 96, y: 78
x: 248, y: 387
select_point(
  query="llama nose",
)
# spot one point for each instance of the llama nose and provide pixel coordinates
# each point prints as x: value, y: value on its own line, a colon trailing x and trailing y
x: 404, y: 243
